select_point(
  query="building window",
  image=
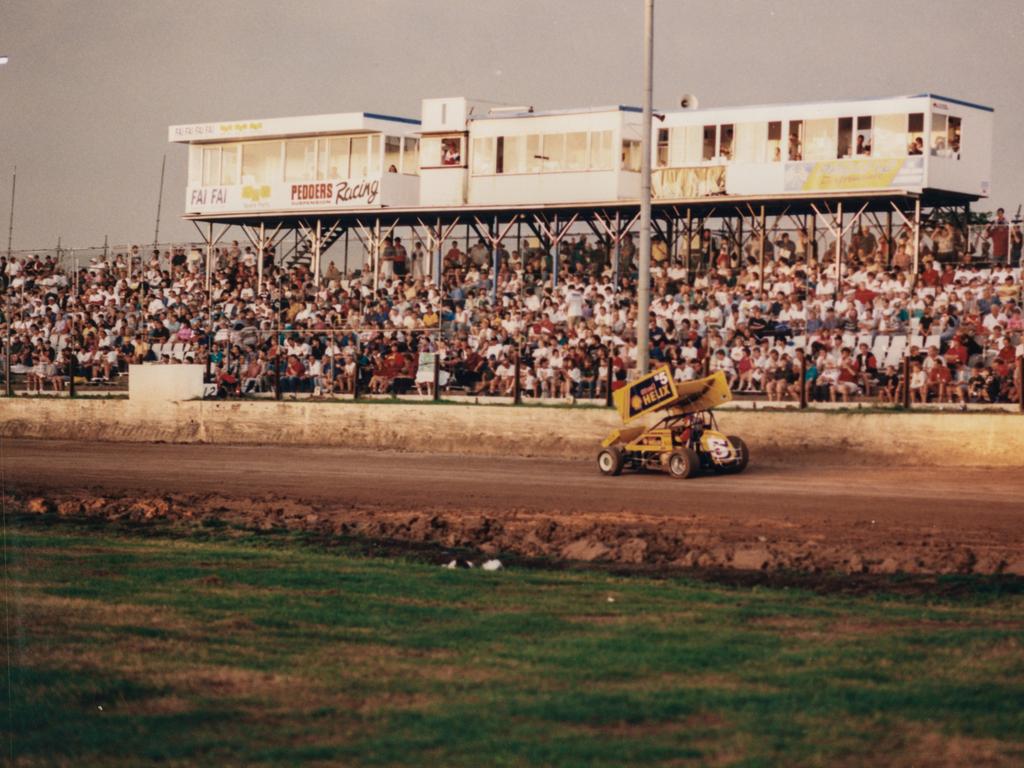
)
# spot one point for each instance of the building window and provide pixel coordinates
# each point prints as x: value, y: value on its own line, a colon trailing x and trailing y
x: 392, y: 154
x: 451, y: 151
x: 511, y: 154
x: 359, y: 157
x: 915, y: 134
x: 708, y: 147
x: 374, y: 168
x: 795, y: 150
x: 844, y: 145
x: 195, y: 165
x: 601, y: 151
x: 576, y: 151
x: 300, y: 160
x: 889, y: 136
x: 662, y: 153
x: 482, y: 159
x: 630, y: 155
x: 261, y: 162
x: 211, y: 166
x: 229, y: 164
x: 953, y: 137
x: 410, y: 155
x: 725, y: 142
x: 534, y: 154
x: 338, y: 158
x: 820, y: 139
x: 864, y: 136
x: 774, y: 149
x: 553, y: 150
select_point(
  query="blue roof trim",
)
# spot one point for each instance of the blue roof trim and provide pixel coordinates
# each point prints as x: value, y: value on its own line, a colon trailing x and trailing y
x: 956, y: 101
x: 392, y: 118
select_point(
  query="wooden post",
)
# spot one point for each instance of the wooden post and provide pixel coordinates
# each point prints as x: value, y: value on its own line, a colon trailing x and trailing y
x: 355, y: 378
x: 1020, y: 383
x: 610, y: 380
x: 803, y: 379
x: 517, y: 387
x: 277, y: 365
x: 439, y: 256
x: 437, y: 374
x: 906, y: 381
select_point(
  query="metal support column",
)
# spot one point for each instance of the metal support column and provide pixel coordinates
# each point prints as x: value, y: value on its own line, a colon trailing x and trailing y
x: 917, y: 242
x: 761, y: 225
x: 888, y: 238
x: 259, y: 257
x: 555, y: 242
x: 643, y: 313
x: 839, y: 249
x: 617, y: 256
x: 689, y: 245
x: 317, y: 244
x: 493, y: 235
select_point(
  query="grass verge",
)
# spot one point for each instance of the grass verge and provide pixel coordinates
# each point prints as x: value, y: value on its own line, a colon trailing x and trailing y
x: 248, y: 649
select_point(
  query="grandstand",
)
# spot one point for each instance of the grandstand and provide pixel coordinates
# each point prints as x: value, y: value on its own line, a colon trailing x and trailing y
x: 811, y: 251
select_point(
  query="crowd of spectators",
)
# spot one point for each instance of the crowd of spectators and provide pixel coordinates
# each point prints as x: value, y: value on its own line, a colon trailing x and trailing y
x: 958, y: 320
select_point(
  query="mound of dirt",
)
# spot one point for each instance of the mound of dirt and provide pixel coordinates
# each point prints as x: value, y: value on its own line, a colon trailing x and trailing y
x: 628, y: 539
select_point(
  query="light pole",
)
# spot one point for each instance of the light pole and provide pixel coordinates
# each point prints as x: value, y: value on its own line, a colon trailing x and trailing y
x: 643, y: 302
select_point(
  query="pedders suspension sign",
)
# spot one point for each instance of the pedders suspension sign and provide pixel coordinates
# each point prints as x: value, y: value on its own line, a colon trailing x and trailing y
x: 336, y: 193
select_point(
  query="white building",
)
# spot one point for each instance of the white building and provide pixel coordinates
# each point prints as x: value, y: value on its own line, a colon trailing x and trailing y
x: 911, y: 143
x: 355, y: 160
x: 464, y: 155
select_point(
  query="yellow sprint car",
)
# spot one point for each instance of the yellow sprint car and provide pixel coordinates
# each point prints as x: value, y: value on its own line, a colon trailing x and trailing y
x: 685, y: 441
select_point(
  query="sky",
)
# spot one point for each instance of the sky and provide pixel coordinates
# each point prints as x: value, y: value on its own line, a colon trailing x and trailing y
x: 92, y: 85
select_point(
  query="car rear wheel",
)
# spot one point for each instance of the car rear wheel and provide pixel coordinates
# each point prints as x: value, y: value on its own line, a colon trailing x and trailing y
x: 683, y: 463
x: 610, y: 461
x: 742, y: 455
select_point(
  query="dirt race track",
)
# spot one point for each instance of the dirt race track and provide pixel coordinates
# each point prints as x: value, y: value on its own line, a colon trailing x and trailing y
x: 806, y: 518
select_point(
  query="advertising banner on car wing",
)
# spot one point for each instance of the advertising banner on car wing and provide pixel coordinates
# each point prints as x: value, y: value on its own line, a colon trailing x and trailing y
x: 646, y: 394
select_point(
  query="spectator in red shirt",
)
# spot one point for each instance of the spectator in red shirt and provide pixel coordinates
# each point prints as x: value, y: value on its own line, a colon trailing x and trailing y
x: 938, y: 380
x: 930, y: 277
x: 998, y: 232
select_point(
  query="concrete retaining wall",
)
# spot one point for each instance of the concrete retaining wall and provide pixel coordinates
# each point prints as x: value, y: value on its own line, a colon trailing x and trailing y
x: 939, y: 439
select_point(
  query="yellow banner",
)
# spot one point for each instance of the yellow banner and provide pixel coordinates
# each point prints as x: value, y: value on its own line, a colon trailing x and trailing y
x: 846, y: 174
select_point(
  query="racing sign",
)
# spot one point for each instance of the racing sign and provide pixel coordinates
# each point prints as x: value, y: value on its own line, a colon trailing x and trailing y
x: 646, y: 394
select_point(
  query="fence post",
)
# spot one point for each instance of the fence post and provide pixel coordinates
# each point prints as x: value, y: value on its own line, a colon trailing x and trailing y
x: 610, y: 374
x: 437, y: 374
x: 8, y: 382
x: 803, y: 380
x: 1020, y: 383
x: 517, y: 391
x: 355, y: 377
x: 906, y: 382
x: 72, y: 365
x: 277, y: 365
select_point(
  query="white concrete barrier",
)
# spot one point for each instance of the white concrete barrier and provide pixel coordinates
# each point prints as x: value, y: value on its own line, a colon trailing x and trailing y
x: 163, y: 383
x: 916, y: 438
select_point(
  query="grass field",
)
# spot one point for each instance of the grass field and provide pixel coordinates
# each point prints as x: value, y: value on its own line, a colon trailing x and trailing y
x: 132, y: 647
